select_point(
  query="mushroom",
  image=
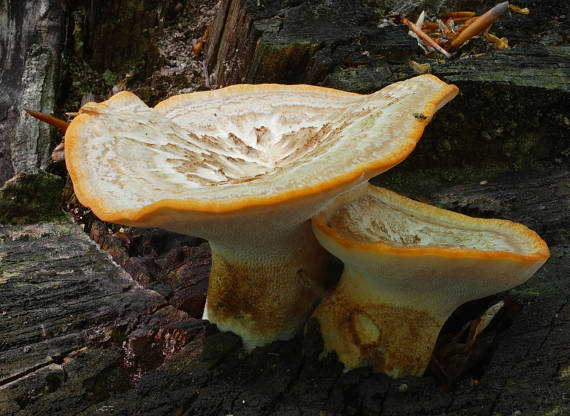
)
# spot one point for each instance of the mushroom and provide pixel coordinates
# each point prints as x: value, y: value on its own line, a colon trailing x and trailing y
x: 407, y: 267
x: 246, y: 167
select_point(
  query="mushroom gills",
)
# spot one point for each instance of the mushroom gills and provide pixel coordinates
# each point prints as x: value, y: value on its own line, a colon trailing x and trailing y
x: 407, y: 267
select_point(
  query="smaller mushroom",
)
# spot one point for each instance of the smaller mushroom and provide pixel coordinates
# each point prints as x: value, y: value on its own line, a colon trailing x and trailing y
x: 407, y: 267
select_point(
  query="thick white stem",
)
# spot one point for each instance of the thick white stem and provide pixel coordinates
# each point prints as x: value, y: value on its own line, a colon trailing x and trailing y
x: 265, y: 290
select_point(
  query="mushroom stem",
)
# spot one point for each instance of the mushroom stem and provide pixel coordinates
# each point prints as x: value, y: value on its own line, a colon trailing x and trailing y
x: 368, y: 325
x: 265, y: 289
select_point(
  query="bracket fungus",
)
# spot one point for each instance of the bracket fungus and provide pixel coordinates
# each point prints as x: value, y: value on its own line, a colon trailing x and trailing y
x: 246, y: 167
x: 408, y: 266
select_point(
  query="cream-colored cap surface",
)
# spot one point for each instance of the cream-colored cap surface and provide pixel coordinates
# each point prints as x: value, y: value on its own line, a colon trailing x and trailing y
x: 410, y: 244
x: 247, y: 145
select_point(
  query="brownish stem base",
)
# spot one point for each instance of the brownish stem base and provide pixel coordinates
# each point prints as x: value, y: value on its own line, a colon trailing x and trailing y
x: 266, y: 293
x: 365, y: 328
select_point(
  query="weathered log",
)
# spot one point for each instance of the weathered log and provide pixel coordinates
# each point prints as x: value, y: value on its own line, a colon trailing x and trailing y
x: 356, y: 49
x: 79, y: 337
x: 293, y: 42
x: 58, y: 295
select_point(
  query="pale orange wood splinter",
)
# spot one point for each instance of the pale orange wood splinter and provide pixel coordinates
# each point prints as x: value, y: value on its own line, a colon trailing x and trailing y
x: 51, y: 120
x: 478, y: 26
x: 457, y: 16
x: 424, y: 37
x: 200, y: 44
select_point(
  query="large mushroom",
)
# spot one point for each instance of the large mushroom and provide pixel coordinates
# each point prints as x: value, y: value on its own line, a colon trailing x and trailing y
x: 246, y: 167
x: 407, y: 267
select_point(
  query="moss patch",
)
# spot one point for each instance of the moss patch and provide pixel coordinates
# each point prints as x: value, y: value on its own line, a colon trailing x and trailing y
x: 29, y: 198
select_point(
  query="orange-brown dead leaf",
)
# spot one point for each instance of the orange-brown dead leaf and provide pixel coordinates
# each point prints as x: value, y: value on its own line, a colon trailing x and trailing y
x: 420, y: 68
x: 498, y: 43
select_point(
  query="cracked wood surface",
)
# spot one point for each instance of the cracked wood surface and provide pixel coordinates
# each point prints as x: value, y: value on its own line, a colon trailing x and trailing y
x: 78, y: 336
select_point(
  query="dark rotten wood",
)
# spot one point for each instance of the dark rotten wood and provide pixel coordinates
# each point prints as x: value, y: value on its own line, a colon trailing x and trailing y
x: 79, y: 335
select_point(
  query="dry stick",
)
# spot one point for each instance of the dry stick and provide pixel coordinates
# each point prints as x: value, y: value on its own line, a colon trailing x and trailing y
x: 479, y: 25
x: 56, y: 122
x: 457, y: 16
x: 423, y: 36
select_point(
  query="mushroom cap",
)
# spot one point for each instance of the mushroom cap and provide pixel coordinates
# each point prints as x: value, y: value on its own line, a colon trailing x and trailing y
x: 240, y: 150
x: 417, y: 247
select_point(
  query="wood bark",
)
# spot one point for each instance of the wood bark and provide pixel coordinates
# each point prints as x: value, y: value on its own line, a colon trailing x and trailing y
x: 31, y: 36
x: 356, y: 48
x: 81, y: 337
x: 512, y: 102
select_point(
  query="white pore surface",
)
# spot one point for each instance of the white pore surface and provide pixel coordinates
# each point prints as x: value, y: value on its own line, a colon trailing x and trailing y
x: 243, y: 145
x: 388, y: 218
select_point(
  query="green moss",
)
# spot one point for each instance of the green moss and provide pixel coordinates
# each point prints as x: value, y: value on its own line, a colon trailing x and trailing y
x: 557, y: 411
x: 29, y: 198
x: 110, y: 77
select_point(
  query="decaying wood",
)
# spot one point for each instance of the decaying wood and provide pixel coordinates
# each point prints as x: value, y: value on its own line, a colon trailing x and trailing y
x: 355, y: 49
x: 293, y: 43
x: 318, y: 42
x: 79, y: 335
x: 231, y: 44
x: 58, y: 294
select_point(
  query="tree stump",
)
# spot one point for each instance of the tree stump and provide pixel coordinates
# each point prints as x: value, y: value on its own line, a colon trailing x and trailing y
x: 80, y: 336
